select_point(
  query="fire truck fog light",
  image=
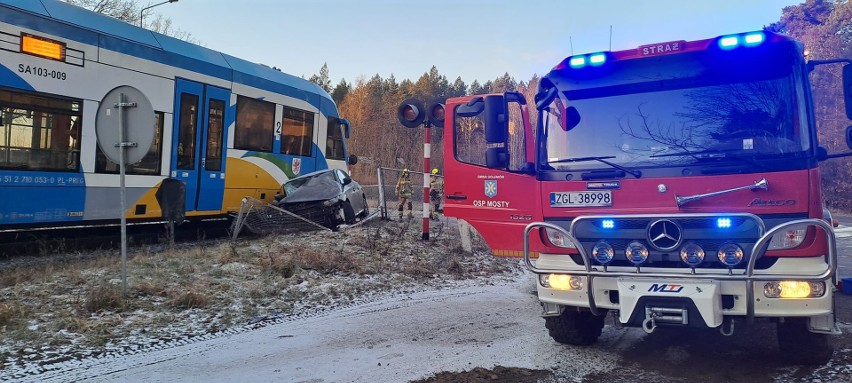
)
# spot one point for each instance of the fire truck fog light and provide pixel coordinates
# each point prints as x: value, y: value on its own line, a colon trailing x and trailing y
x: 558, y: 239
x: 636, y: 252
x: 787, y: 239
x: 692, y: 254
x: 730, y: 254
x: 561, y: 282
x: 603, y: 252
x: 794, y: 289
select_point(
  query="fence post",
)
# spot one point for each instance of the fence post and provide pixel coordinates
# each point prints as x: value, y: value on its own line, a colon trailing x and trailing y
x: 383, y: 209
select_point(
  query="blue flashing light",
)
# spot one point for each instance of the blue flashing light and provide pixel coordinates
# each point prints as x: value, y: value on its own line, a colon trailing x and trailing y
x: 754, y: 39
x: 729, y: 42
x: 723, y: 223
x: 577, y: 62
x: 597, y: 59
x: 608, y: 224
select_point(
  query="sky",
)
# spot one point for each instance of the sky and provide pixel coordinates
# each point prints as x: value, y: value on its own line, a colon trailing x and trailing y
x: 474, y: 39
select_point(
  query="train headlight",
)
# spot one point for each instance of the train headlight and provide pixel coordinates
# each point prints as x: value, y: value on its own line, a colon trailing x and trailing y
x: 793, y: 289
x: 636, y: 252
x: 603, y: 252
x: 730, y: 254
x: 561, y: 282
x: 692, y: 254
x: 556, y: 238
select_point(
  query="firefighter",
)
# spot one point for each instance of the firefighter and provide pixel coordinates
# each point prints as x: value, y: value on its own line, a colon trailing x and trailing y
x: 404, y: 190
x: 436, y: 190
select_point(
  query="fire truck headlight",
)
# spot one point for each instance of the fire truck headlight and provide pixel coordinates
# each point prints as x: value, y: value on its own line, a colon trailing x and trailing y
x: 793, y: 289
x: 730, y: 254
x: 787, y: 239
x: 557, y: 239
x: 636, y: 252
x: 603, y: 252
x: 692, y: 254
x: 561, y: 282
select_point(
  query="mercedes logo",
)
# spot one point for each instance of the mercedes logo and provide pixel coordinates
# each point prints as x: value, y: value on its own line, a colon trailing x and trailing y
x: 664, y: 234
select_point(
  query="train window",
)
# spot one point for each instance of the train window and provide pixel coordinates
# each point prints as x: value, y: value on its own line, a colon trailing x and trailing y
x: 297, y: 137
x: 39, y: 132
x: 149, y: 165
x: 254, y: 126
x: 187, y: 129
x: 215, y: 127
x: 334, y: 140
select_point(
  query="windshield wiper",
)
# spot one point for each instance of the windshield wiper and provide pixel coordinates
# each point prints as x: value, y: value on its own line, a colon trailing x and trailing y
x: 712, y: 155
x: 601, y: 159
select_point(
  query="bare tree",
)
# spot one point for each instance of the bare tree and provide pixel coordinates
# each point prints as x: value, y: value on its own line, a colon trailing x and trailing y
x: 129, y: 12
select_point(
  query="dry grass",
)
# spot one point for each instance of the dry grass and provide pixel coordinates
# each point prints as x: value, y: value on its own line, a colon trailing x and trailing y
x: 104, y: 297
x: 195, y: 289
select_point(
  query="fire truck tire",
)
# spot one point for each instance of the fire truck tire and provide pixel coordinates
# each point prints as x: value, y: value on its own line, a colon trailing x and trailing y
x: 801, y: 345
x: 575, y: 327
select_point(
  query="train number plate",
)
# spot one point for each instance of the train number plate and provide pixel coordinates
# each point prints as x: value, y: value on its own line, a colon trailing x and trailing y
x: 581, y: 199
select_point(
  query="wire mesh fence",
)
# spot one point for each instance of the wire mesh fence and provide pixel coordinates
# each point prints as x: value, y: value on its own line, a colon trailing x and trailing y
x: 388, y: 200
x: 383, y: 200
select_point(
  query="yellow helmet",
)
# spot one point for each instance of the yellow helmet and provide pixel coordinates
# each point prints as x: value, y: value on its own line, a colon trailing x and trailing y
x: 435, y: 171
x: 405, y: 171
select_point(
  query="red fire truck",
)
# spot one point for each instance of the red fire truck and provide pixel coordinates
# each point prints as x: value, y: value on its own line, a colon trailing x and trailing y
x: 675, y: 184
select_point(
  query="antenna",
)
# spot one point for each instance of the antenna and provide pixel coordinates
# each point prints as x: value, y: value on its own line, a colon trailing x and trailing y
x: 610, y: 37
x: 571, y: 43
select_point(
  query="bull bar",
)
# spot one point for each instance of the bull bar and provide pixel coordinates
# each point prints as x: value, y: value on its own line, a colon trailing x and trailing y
x: 758, y: 250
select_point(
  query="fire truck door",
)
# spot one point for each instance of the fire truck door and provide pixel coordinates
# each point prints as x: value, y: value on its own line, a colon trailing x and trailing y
x: 498, y: 203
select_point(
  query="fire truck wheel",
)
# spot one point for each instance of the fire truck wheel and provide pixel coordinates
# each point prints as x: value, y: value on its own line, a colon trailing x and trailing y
x: 575, y: 327
x: 801, y: 345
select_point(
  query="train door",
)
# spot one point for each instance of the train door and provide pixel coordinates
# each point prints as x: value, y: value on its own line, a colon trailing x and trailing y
x: 198, y: 149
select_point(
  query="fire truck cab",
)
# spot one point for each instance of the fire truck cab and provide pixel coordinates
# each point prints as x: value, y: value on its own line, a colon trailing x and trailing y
x: 675, y: 184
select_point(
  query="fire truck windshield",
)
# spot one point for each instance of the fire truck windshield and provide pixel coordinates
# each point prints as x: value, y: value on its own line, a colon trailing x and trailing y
x: 671, y: 112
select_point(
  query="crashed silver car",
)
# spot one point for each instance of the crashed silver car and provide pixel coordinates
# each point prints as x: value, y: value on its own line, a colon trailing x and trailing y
x: 327, y: 197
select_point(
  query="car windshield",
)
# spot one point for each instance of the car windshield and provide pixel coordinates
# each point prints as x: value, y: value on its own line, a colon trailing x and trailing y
x: 296, y: 183
x: 677, y: 121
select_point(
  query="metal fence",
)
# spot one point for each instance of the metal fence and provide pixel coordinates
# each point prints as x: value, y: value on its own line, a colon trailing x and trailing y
x: 385, y: 197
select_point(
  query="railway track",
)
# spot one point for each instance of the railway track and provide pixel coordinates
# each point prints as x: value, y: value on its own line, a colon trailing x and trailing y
x: 68, y: 244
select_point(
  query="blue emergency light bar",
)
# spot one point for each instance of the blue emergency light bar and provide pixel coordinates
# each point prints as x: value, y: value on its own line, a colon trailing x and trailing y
x: 751, y: 39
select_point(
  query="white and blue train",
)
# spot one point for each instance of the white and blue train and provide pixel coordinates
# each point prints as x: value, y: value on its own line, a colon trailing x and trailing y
x: 225, y: 127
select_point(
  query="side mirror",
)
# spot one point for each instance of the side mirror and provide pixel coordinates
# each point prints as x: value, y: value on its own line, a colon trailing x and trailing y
x: 496, y: 158
x: 847, y: 93
x: 849, y: 137
x: 353, y: 159
x: 572, y: 118
x: 496, y: 119
x: 472, y: 109
x: 347, y: 181
x: 344, y: 125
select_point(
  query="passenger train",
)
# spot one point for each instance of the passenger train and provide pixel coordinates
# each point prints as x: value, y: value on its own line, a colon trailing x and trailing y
x: 225, y: 127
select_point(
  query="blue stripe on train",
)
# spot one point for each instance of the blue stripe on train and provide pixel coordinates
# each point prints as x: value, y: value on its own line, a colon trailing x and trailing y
x: 41, y: 197
x: 8, y: 78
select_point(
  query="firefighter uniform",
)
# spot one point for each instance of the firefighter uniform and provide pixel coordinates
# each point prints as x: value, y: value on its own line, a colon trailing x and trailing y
x: 404, y: 189
x: 436, y: 191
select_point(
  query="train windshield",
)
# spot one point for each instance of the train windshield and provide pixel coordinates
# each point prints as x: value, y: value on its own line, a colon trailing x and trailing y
x: 678, y: 111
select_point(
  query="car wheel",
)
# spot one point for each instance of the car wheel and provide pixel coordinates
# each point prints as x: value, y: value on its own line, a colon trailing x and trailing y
x: 575, y: 327
x: 348, y: 212
x: 801, y: 345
